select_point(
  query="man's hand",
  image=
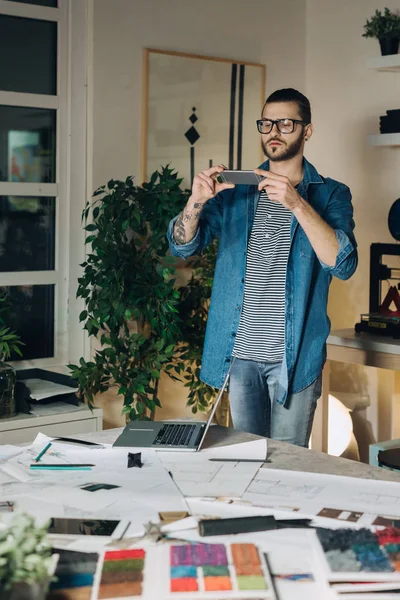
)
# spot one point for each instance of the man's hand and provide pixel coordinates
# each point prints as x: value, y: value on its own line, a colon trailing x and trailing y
x: 321, y: 235
x: 205, y: 185
x: 279, y: 189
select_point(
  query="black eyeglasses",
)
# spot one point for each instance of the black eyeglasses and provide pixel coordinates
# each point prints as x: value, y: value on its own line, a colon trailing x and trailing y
x: 283, y: 125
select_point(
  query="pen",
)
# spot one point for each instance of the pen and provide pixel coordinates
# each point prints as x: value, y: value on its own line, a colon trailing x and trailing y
x: 124, y: 531
x: 39, y: 456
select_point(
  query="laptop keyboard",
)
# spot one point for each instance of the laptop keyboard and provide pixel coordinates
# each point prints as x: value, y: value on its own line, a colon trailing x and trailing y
x: 174, y: 435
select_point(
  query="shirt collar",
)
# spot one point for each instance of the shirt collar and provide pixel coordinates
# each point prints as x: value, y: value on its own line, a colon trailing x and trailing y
x: 311, y: 174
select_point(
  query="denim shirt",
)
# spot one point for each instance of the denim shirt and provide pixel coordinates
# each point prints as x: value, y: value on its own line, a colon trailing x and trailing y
x: 229, y: 216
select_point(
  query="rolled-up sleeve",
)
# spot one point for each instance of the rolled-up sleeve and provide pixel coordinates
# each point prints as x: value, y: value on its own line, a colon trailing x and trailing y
x: 182, y: 250
x: 339, y: 216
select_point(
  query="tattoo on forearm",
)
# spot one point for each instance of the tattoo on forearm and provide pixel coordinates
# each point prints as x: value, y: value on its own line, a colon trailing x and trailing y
x: 179, y: 230
x: 186, y: 223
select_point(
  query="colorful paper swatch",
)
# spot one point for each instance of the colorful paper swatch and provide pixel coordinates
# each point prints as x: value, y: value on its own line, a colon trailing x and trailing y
x: 216, y: 568
x: 122, y: 574
x: 74, y: 574
x: 362, y: 550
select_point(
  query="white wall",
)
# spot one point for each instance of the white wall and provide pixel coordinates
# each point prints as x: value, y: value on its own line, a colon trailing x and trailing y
x: 263, y: 31
x: 347, y: 100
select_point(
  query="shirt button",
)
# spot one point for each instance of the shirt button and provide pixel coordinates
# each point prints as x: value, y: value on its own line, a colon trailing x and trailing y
x: 242, y: 280
x: 269, y: 216
x: 227, y: 360
x: 233, y: 334
x: 267, y: 235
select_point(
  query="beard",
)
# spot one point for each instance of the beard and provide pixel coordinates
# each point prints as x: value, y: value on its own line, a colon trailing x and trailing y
x: 284, y: 152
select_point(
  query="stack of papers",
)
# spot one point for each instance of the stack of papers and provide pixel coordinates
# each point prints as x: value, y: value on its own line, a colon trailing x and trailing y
x: 120, y: 493
x: 40, y: 389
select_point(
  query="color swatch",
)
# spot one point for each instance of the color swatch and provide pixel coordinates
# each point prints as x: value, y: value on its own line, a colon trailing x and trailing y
x: 122, y: 574
x: 74, y: 575
x: 362, y: 551
x: 216, y: 568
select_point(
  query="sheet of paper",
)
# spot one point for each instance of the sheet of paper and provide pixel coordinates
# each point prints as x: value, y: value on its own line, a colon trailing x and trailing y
x: 255, y: 450
x: 223, y: 442
x: 349, y: 500
x: 75, y: 497
x: 15, y: 471
x: 195, y: 475
x: 41, y: 389
x: 365, y: 587
x: 4, y: 478
x: 8, y: 451
x: 42, y: 410
x: 369, y: 596
x: 293, y: 557
x: 213, y: 571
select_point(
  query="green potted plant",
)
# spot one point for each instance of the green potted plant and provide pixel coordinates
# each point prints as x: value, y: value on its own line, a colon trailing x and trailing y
x: 26, y: 561
x: 10, y: 343
x: 385, y: 27
x: 129, y: 291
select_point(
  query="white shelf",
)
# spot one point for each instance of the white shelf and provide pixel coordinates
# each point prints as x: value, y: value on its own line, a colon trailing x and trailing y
x: 384, y: 139
x: 385, y: 63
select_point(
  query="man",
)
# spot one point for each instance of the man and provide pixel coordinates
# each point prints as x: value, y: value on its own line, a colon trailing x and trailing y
x: 279, y: 247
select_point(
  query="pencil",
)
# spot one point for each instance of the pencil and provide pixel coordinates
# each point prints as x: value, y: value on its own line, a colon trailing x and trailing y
x: 39, y: 456
x: 274, y: 586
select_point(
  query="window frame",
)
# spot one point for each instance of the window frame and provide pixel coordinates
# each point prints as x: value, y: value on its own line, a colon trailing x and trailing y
x: 71, y: 187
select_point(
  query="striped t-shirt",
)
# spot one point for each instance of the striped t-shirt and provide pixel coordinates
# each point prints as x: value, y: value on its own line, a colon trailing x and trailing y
x: 261, y: 333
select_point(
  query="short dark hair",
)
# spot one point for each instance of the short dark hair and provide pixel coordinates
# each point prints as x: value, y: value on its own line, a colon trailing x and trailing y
x: 292, y: 95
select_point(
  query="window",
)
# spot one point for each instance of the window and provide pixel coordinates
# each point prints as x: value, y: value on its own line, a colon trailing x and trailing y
x: 42, y: 111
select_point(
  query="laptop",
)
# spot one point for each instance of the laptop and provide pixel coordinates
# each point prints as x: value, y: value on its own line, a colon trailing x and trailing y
x: 187, y: 436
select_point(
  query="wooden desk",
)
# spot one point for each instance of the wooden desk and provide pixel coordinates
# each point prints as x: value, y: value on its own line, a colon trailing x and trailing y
x: 345, y: 345
x: 289, y: 458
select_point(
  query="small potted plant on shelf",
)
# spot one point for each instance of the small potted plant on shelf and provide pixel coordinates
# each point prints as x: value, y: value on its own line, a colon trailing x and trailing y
x: 26, y: 561
x: 385, y: 27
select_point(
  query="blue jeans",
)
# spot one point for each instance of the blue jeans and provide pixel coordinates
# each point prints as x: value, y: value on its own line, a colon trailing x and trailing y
x: 252, y: 395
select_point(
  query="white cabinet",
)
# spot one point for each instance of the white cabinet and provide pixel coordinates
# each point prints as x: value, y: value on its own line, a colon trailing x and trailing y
x: 24, y: 428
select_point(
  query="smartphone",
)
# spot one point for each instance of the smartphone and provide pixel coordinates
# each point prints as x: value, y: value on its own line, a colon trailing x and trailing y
x: 239, y: 177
